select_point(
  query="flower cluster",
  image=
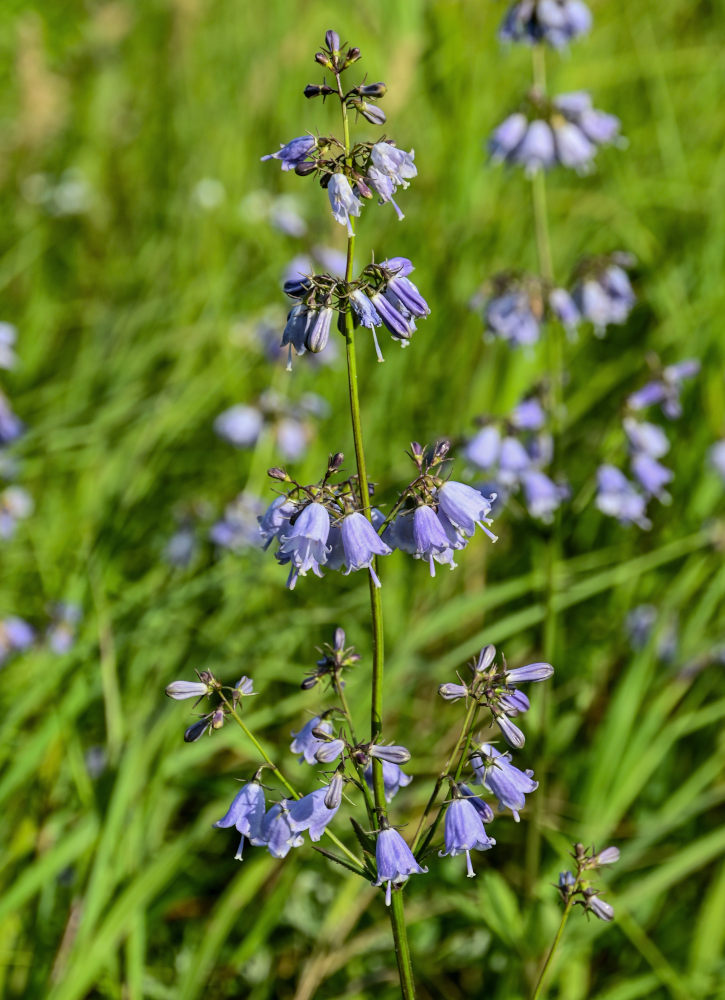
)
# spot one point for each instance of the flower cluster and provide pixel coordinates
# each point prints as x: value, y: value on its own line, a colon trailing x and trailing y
x: 566, y: 131
x: 602, y: 290
x: 575, y: 888
x: 620, y: 497
x: 514, y: 453
x: 292, y: 424
x: 323, y: 524
x: 556, y: 22
x: 383, y: 295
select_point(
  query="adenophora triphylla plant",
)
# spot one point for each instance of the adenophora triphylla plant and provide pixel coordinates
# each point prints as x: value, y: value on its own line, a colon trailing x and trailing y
x: 331, y: 525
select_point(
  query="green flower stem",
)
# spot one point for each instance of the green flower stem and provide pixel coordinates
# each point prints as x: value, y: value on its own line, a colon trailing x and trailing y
x: 552, y: 951
x: 461, y: 747
x: 281, y: 778
x: 369, y: 804
x: 397, y: 915
x: 554, y: 352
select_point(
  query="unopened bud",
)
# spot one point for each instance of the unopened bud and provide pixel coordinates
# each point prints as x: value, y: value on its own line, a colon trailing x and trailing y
x: 352, y: 56
x: 330, y: 751
x: 607, y: 857
x: 370, y: 112
x: 332, y: 40
x: 453, y: 692
x: 338, y: 642
x: 363, y: 190
x: 314, y: 90
x: 196, y: 730
x: 309, y: 682
x: 179, y: 690
x: 323, y: 60
x: 393, y: 754
x: 276, y: 473
x: 333, y: 465
x: 305, y: 168
x: 485, y: 658
x: 376, y: 90
x: 333, y: 796
x: 217, y: 719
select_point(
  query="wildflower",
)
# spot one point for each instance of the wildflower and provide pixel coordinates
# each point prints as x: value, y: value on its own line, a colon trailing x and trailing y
x: 394, y: 778
x: 603, y: 293
x: 510, y: 316
x: 299, y: 320
x: 311, y: 813
x: 305, y: 542
x: 543, y: 496
x: 15, y: 505
x: 431, y: 541
x: 197, y: 729
x: 292, y: 437
x: 651, y: 475
x: 480, y: 805
x: 507, y: 137
x: 483, y: 450
x: 318, y: 332
x: 394, y: 860
x: 333, y: 793
x: 394, y: 162
x: 405, y: 291
x: 514, y: 703
x: 647, y: 438
x: 238, y: 528
x: 15, y: 636
x: 452, y: 692
x: 496, y: 772
x: 717, y: 458
x: 665, y: 390
x: 531, y: 672
x: 537, y: 149
x: 277, y: 833
x: 180, y: 690
x: 601, y: 909
x: 464, y: 832
x: 384, y: 187
x: 240, y: 425
x: 367, y: 315
x: 244, y: 686
x: 343, y: 202
x: 513, y: 461
x: 8, y: 336
x: 329, y: 751
x: 246, y: 813
x: 562, y: 306
x: 618, y: 498
x: 275, y: 519
x: 465, y: 507
x: 396, y: 318
x: 555, y: 22
x: 294, y: 152
x: 361, y: 543
x: 510, y: 732
x: 608, y: 856
x: 392, y: 754
x: 306, y: 743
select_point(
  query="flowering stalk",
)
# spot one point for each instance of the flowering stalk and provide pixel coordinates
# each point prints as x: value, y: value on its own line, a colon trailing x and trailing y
x: 553, y: 949
x: 282, y: 780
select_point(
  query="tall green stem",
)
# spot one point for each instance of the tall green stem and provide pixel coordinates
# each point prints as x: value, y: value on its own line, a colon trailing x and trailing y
x: 397, y: 915
x: 554, y: 368
x: 552, y: 951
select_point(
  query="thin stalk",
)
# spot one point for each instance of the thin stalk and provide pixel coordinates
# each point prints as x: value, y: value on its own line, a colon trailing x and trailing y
x: 281, y: 778
x: 553, y: 544
x: 397, y: 915
x: 466, y: 730
x: 552, y: 951
x: 369, y: 804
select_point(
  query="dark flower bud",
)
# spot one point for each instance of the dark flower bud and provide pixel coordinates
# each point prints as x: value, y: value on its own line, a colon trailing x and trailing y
x: 297, y: 287
x: 305, y: 168
x: 376, y: 90
x: 352, y: 56
x: 333, y: 795
x: 332, y: 39
x: 323, y: 60
x: 196, y: 730
x: 417, y: 449
x: 441, y: 450
x: 314, y: 90
x: 341, y: 323
x: 338, y: 643
x: 325, y: 180
x: 333, y: 465
x: 217, y: 718
x: 276, y: 473
x: 309, y: 682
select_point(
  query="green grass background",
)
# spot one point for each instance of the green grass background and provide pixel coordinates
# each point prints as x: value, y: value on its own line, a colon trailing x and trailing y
x: 136, y: 321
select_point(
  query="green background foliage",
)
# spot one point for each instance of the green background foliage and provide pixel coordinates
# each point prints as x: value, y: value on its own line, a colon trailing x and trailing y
x: 136, y: 318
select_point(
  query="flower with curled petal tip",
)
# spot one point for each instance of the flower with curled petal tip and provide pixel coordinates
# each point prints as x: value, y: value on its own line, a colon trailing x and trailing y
x: 306, y: 743
x: 294, y: 152
x: 361, y: 544
x: 495, y: 771
x: 395, y: 861
x: 311, y: 813
x: 465, y: 507
x: 304, y: 543
x: 464, y: 832
x: 343, y: 202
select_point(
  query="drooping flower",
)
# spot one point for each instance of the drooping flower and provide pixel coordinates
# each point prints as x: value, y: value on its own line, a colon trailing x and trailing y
x: 318, y: 331
x: 306, y: 743
x: 464, y: 832
x: 431, y: 541
x: 343, y: 202
x: 618, y: 498
x: 304, y: 543
x: 601, y: 909
x: 312, y: 814
x: 240, y: 425
x: 367, y: 315
x: 299, y: 320
x: 277, y: 833
x: 294, y: 152
x: 647, y: 438
x: 496, y: 772
x: 651, y: 475
x: 384, y: 187
x: 542, y: 495
x: 465, y: 507
x: 717, y: 458
x: 361, y: 543
x: 603, y: 292
x: 556, y: 22
x: 403, y: 288
x: 394, y: 778
x: 275, y: 519
x: 395, y: 861
x: 246, y: 814
x: 480, y: 805
x: 394, y: 162
x: 398, y: 320
x: 666, y: 389
x: 608, y: 856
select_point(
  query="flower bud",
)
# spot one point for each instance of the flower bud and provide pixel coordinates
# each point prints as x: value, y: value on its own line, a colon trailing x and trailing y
x: 333, y: 796
x: 330, y: 751
x: 511, y: 733
x: 362, y: 189
x: 485, y: 658
x: 305, y: 168
x: 333, y: 465
x: 179, y: 690
x: 370, y: 112
x: 317, y: 90
x: 453, y: 692
x: 309, y: 682
x: 276, y: 473
x: 352, y: 56
x: 393, y: 754
x: 606, y: 857
x: 196, y: 730
x: 532, y: 672
x: 217, y: 718
x: 323, y: 60
x: 338, y: 642
x: 376, y: 90
x: 605, y: 911
x: 332, y: 40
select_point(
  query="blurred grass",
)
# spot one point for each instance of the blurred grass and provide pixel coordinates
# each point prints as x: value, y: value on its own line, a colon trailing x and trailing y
x: 135, y: 317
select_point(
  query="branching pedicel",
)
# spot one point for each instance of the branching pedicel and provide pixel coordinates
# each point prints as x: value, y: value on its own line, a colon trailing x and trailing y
x: 331, y: 525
